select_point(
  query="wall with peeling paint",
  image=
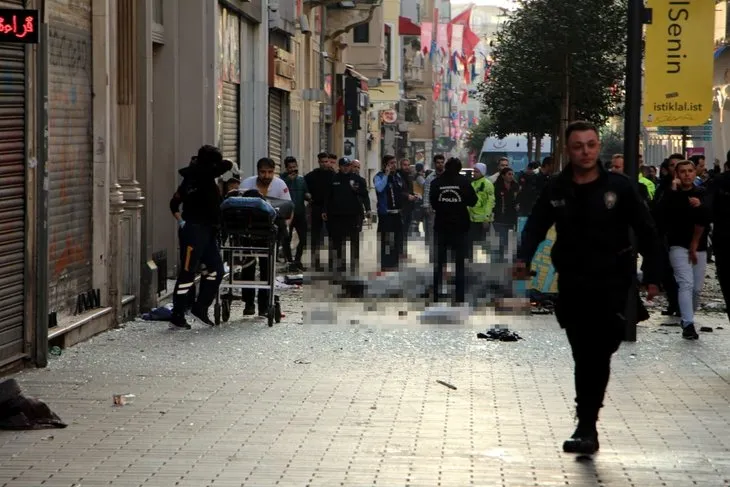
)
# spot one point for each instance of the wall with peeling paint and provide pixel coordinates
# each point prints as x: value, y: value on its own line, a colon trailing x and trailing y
x: 70, y: 152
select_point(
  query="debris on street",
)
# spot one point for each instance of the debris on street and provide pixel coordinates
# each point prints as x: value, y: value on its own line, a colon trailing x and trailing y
x: 452, y: 387
x: 500, y: 334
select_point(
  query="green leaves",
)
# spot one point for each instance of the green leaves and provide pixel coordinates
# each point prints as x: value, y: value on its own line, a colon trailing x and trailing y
x: 544, y: 41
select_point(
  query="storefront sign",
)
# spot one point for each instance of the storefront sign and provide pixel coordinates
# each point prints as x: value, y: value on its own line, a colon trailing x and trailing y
x: 282, y: 70
x: 545, y: 279
x: 679, y: 63
x: 19, y: 26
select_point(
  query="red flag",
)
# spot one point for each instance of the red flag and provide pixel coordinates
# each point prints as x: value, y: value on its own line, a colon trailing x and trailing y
x: 470, y: 40
x: 464, y: 96
x: 436, y: 91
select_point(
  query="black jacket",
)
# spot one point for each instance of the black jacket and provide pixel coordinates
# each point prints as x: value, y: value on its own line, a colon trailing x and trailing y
x: 450, y: 197
x: 346, y: 196
x: 718, y: 200
x: 199, y: 193
x: 318, y: 182
x: 592, y: 223
x: 505, y: 202
x: 679, y: 217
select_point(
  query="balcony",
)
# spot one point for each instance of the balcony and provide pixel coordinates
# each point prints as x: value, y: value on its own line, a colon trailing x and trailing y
x: 413, y: 76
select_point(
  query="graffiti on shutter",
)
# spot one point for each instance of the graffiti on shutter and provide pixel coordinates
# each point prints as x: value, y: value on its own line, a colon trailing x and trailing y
x: 69, y: 165
x: 12, y: 200
x: 230, y: 124
x: 275, y: 128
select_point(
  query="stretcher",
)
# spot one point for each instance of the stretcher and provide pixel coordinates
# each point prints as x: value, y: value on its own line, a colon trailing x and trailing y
x: 249, y: 231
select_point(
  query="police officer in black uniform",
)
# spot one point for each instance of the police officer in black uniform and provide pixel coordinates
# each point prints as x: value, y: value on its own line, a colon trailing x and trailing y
x: 593, y: 211
x: 451, y: 195
x: 345, y: 204
x: 719, y: 192
x: 198, y: 224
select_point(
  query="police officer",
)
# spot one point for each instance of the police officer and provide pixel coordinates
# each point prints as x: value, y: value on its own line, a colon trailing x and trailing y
x: 344, y: 211
x: 451, y: 196
x: 719, y: 192
x: 593, y: 211
x: 198, y: 224
x: 318, y: 182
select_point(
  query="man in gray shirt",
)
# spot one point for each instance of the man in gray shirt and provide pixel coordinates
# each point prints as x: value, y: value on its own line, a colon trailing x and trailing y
x: 438, y: 168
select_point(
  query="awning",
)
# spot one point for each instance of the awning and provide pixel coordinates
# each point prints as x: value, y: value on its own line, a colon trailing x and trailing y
x: 406, y: 27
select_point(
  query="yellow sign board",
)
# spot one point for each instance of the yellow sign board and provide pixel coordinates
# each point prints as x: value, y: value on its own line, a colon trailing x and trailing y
x: 679, y: 63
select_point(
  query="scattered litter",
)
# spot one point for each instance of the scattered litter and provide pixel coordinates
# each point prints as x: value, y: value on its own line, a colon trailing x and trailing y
x: 719, y: 328
x: 670, y: 324
x: 707, y: 329
x: 301, y: 362
x: 294, y: 280
x: 48, y: 438
x: 56, y: 351
x: 501, y: 334
x: 122, y: 399
x: 402, y: 313
x: 538, y: 310
x: 446, y: 384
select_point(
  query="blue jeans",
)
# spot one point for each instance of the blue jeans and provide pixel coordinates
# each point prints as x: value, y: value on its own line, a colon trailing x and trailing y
x: 690, y: 279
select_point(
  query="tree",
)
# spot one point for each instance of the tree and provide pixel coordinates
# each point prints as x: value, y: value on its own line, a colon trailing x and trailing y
x: 478, y: 134
x: 554, y: 56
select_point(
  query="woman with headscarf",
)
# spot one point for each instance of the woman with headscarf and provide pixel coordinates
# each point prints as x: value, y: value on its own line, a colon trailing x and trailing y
x: 506, y: 206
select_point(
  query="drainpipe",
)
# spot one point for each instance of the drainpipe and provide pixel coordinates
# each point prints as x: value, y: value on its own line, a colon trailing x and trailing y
x: 322, y: 67
x: 41, y: 190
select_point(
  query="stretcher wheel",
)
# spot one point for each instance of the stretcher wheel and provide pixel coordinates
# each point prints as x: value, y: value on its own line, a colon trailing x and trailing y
x: 217, y: 314
x: 226, y: 311
x: 270, y: 316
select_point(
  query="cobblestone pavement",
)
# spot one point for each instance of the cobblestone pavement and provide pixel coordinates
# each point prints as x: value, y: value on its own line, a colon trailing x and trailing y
x: 359, y: 405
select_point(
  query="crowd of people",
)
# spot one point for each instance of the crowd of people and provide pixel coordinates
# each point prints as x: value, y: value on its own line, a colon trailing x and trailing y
x: 679, y: 214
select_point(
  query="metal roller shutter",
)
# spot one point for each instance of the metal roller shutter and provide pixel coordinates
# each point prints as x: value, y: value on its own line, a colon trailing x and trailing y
x: 12, y: 201
x: 69, y: 165
x: 275, y: 127
x: 230, y: 126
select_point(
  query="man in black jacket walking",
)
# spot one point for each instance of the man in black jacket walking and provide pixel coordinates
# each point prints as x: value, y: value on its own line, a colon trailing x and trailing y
x: 344, y: 206
x: 198, y: 226
x: 318, y: 182
x: 719, y: 202
x: 593, y: 212
x: 451, y: 195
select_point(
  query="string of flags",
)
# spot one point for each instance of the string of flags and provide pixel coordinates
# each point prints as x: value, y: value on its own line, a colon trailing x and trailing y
x: 455, y: 45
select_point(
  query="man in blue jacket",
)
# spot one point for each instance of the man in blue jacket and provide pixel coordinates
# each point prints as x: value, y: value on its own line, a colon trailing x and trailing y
x: 390, y: 190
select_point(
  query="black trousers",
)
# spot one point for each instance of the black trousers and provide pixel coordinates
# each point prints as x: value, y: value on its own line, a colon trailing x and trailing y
x: 456, y: 243
x: 317, y: 234
x: 390, y: 231
x: 592, y: 313
x: 298, y: 223
x: 341, y: 229
x: 407, y: 224
x: 722, y: 265
x: 198, y: 245
x: 248, y: 273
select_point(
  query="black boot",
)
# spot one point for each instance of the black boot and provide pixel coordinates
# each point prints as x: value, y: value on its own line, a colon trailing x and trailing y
x: 584, y: 440
x: 202, y: 315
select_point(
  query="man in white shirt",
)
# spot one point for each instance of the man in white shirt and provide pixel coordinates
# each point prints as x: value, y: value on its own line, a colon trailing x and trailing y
x: 266, y: 182
x: 270, y: 186
x: 501, y: 164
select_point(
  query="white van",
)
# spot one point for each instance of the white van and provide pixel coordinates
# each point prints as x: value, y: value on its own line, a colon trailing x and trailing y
x: 514, y: 148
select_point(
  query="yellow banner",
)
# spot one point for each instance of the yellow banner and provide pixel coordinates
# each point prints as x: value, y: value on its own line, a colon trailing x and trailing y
x: 679, y: 63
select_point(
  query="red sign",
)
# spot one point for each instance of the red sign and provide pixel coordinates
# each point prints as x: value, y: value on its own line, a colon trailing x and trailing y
x: 19, y: 26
